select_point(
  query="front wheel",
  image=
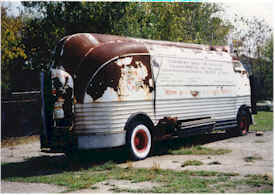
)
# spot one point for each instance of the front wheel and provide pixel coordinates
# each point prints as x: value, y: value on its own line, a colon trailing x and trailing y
x: 139, y: 140
x: 242, y: 128
x: 243, y: 124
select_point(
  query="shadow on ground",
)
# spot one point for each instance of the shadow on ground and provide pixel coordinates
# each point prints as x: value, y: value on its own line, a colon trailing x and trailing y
x: 46, y: 164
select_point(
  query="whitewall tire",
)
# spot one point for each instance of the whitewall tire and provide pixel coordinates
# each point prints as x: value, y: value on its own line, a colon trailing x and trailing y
x: 139, y: 141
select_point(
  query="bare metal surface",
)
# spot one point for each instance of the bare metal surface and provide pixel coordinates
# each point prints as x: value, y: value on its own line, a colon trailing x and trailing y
x: 101, y: 140
x: 112, y: 116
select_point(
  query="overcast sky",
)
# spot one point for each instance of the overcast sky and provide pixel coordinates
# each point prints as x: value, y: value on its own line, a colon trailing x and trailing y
x: 258, y: 8
x: 247, y: 8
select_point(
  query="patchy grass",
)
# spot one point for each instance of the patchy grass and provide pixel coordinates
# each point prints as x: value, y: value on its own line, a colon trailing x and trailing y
x: 263, y: 121
x: 199, y: 150
x: 252, y: 158
x: 247, y: 184
x: 258, y: 180
x: 13, y: 141
x: 170, y: 181
x: 192, y: 163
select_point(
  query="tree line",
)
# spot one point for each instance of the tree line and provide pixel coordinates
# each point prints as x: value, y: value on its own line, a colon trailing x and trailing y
x: 28, y: 40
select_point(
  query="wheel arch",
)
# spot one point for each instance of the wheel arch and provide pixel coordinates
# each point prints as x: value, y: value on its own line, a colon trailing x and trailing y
x: 142, y: 116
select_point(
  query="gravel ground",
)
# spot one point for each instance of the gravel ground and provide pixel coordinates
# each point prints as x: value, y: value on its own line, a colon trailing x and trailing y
x: 245, y: 146
x: 17, y: 187
x: 241, y: 147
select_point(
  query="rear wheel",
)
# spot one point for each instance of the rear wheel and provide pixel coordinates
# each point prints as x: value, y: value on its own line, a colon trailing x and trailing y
x: 139, y: 140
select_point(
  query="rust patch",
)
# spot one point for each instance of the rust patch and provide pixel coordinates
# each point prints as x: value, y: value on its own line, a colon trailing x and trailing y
x: 166, y: 127
x: 82, y: 54
x: 74, y: 50
x: 125, y: 76
x: 194, y: 93
x: 109, y: 76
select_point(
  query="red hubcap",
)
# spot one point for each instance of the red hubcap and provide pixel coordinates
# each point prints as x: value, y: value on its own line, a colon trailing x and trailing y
x: 141, y: 140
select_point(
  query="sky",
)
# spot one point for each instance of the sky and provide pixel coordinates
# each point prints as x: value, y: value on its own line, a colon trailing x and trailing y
x: 261, y: 9
x: 248, y: 8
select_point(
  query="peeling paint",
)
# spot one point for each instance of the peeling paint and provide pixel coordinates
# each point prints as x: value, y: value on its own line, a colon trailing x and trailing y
x: 124, y: 61
x: 128, y: 78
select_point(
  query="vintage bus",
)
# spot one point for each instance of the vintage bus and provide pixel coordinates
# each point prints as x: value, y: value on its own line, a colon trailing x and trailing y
x: 107, y: 91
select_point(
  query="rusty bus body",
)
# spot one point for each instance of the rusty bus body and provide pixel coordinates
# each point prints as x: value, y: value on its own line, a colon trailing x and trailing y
x: 107, y: 91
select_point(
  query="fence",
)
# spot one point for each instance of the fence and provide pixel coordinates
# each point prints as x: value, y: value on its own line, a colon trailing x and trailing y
x: 21, y: 114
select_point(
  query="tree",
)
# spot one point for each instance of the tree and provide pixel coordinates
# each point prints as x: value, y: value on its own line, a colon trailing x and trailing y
x: 12, y: 50
x: 187, y: 22
x: 254, y: 38
x: 253, y: 33
x: 268, y: 68
x: 54, y: 20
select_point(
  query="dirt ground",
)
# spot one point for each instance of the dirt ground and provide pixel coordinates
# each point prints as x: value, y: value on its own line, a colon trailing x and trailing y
x: 242, y: 147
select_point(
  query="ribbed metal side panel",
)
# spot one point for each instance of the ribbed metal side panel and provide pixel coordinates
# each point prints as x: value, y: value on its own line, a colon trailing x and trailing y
x: 107, y: 117
x: 243, y: 100
x: 110, y: 117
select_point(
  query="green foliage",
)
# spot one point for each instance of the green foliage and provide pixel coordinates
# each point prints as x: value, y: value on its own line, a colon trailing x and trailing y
x: 12, y: 50
x: 58, y: 19
x: 188, y: 22
x: 255, y: 38
x: 268, y: 68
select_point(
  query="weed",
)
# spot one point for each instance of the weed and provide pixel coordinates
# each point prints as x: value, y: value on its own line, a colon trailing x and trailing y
x: 192, y: 163
x: 199, y: 150
x: 258, y: 180
x: 129, y: 165
x: 252, y: 158
x: 156, y: 166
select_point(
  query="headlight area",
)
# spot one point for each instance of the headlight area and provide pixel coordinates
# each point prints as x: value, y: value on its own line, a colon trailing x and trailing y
x: 62, y: 90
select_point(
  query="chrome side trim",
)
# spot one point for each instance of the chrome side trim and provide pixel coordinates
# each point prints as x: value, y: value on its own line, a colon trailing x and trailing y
x: 111, y: 117
x: 101, y: 141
